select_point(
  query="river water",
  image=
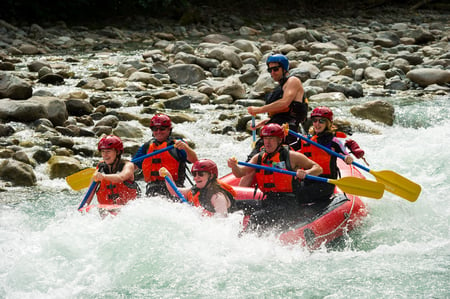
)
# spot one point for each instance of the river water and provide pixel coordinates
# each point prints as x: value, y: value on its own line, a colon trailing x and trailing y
x: 159, y: 249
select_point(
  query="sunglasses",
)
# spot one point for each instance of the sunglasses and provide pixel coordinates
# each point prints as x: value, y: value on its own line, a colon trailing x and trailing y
x: 273, y: 69
x: 319, y: 119
x: 198, y: 173
x: 154, y: 129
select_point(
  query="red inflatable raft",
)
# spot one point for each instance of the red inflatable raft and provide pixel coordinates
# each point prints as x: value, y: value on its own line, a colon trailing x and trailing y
x: 343, y: 214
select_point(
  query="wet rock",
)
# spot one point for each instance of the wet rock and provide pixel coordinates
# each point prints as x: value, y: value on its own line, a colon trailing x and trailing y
x: 378, y: 111
x: 186, y: 73
x: 374, y: 76
x: 179, y: 102
x: 41, y: 156
x: 109, y: 121
x: 6, y: 130
x: 18, y: 173
x: 76, y: 107
x: 14, y: 88
x: 62, y: 141
x: 23, y: 157
x: 428, y: 76
x: 328, y: 96
x: 33, y: 109
x: 128, y: 131
x: 62, y: 166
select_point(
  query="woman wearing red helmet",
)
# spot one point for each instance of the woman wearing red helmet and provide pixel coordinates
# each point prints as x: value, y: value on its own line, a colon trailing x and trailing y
x: 209, y: 193
x: 116, y: 176
x: 173, y: 160
x: 323, y: 132
x: 283, y: 192
x: 286, y: 103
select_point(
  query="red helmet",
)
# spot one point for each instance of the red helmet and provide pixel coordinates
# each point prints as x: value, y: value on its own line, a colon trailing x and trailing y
x: 322, y: 111
x: 272, y: 130
x: 160, y: 120
x: 109, y: 142
x: 205, y: 165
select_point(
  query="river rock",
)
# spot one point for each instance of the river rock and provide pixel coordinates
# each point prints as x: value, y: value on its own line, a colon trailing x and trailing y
x: 197, y: 97
x: 6, y: 130
x: 41, y: 156
x: 62, y: 166
x: 76, y: 107
x: 374, y: 76
x: 18, y: 173
x: 226, y: 53
x: 62, y: 141
x: 144, y: 78
x: 178, y: 102
x: 125, y: 130
x: 14, y: 87
x: 328, y: 96
x: 428, y: 76
x: 109, y: 121
x: 33, y: 109
x: 186, y: 73
x: 23, y: 157
x: 378, y: 111
x: 231, y: 86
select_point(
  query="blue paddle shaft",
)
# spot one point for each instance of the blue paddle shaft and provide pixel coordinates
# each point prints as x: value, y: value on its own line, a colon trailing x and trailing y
x: 175, y: 188
x: 274, y: 169
x: 88, y: 194
x: 333, y: 153
x: 137, y: 159
x: 253, y: 127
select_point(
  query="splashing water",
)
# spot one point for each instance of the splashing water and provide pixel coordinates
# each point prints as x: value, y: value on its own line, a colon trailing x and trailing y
x: 155, y: 248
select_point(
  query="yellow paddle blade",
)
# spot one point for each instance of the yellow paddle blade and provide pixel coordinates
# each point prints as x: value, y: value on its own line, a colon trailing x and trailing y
x: 81, y: 179
x: 360, y: 187
x: 397, y: 184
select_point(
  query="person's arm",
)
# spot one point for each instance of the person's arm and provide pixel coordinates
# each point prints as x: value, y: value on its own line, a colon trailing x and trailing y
x: 291, y: 90
x: 163, y: 172
x: 240, y: 171
x: 191, y: 156
x: 303, y: 165
x: 140, y: 153
x: 220, y: 203
x: 127, y: 173
x: 340, y: 149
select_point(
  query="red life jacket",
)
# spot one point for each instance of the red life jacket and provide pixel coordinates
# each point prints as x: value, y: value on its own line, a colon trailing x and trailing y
x: 269, y: 181
x: 318, y: 155
x: 198, y: 199
x: 115, y: 193
x: 151, y: 166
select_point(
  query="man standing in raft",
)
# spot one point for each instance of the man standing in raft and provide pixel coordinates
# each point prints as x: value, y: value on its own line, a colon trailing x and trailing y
x: 286, y: 104
x: 116, y: 176
x: 174, y: 160
x: 283, y: 192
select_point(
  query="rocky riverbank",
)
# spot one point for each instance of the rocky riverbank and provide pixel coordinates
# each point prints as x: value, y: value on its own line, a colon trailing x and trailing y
x: 62, y: 82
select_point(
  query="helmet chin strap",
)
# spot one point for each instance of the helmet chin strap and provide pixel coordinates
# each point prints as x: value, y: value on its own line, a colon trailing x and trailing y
x: 114, y: 163
x: 210, y: 180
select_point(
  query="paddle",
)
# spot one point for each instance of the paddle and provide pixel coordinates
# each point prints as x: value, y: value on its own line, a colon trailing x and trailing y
x: 253, y: 132
x: 393, y: 182
x: 89, y: 195
x: 349, y: 185
x: 175, y: 188
x: 82, y: 179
